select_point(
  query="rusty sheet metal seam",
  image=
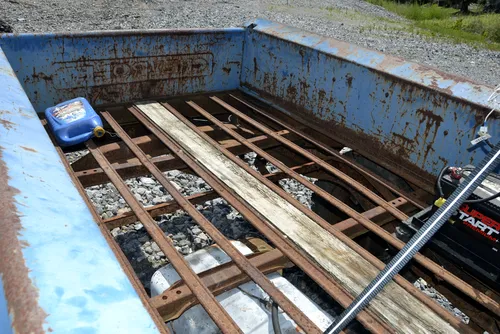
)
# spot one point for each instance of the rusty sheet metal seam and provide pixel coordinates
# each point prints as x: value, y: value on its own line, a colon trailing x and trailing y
x: 320, y: 221
x: 352, y: 164
x: 206, y: 298
x: 473, y: 293
x: 239, y: 259
x: 325, y: 281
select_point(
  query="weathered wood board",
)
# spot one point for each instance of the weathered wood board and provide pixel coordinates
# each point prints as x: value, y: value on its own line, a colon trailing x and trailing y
x: 394, y: 304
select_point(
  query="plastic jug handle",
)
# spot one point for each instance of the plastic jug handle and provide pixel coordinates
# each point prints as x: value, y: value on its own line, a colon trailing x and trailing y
x: 77, y: 139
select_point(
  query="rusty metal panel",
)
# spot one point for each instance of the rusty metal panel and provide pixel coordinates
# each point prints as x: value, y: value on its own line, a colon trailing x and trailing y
x: 57, y: 272
x: 410, y: 115
x: 121, y: 66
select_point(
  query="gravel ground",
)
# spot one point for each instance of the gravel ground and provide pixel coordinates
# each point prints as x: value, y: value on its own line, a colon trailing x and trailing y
x: 354, y: 21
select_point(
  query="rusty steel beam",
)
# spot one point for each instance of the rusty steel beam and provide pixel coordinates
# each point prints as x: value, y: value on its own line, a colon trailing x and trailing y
x: 118, y: 152
x: 344, y: 177
x: 466, y: 288
x: 320, y: 221
x: 206, y: 298
x: 378, y: 215
x: 323, y: 279
x: 171, y: 206
x: 133, y: 168
x: 178, y: 298
x: 336, y: 154
x: 156, y: 210
x: 238, y: 258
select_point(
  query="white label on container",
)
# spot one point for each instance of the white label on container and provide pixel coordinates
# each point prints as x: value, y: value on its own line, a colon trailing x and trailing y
x: 69, y: 112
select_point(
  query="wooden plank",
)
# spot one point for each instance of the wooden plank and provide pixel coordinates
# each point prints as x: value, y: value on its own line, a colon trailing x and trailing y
x: 394, y: 304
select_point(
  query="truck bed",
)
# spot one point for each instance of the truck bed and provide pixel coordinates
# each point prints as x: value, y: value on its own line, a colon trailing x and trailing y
x: 197, y: 101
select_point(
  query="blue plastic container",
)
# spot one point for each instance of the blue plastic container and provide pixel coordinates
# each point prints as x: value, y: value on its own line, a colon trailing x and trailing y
x: 74, y: 122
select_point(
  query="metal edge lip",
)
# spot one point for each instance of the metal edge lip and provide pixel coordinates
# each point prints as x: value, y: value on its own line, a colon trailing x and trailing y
x: 127, y: 32
x: 422, y: 75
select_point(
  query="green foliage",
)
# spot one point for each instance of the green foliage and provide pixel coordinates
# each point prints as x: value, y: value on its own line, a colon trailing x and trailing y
x: 483, y: 28
x: 414, y: 11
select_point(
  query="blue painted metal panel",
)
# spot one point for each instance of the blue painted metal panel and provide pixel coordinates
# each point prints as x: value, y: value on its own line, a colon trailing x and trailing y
x: 415, y: 117
x: 121, y: 66
x: 79, y: 283
x: 5, y: 322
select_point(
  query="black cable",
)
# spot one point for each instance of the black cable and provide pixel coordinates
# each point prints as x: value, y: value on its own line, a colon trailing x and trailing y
x: 275, y: 318
x: 481, y: 200
x: 274, y: 310
x: 469, y: 201
x: 489, y: 143
x: 440, y: 177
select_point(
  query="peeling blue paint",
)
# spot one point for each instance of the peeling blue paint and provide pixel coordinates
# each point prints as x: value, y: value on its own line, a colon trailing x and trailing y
x: 111, y: 67
x: 80, y: 283
x: 419, y: 114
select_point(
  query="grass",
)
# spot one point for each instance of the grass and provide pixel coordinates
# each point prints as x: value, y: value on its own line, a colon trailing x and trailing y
x: 414, y: 11
x: 482, y: 29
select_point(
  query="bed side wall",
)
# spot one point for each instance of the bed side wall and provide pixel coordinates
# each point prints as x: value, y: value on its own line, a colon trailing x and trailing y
x: 121, y: 66
x: 407, y: 117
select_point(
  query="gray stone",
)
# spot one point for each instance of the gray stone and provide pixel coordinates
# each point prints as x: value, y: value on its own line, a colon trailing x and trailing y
x: 147, y: 181
x: 155, y: 247
x: 178, y: 236
x: 184, y: 242
x: 196, y: 230
x: 157, y: 200
x: 203, y: 236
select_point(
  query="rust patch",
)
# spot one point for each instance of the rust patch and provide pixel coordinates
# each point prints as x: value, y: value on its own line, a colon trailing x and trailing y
x: 227, y: 69
x: 428, y: 114
x: 7, y: 71
x: 348, y: 80
x: 3, y: 112
x: 432, y: 124
x: 41, y: 75
x: 404, y: 145
x: 28, y: 149
x: 7, y: 124
x: 21, y: 294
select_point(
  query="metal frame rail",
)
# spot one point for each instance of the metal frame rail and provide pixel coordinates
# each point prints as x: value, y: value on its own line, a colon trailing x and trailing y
x: 267, y: 136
